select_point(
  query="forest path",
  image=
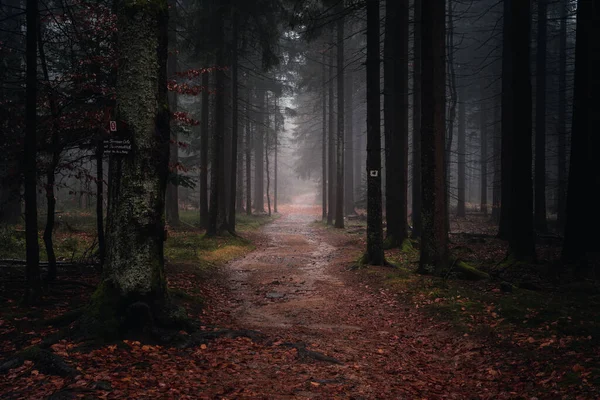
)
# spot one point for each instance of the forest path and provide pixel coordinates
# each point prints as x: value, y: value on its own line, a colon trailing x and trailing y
x: 296, y: 288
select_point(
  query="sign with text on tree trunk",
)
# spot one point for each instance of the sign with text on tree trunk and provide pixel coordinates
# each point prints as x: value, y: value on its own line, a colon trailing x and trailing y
x: 117, y: 143
x: 117, y: 146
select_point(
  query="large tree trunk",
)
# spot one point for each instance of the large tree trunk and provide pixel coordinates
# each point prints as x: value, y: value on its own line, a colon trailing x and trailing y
x: 100, y: 201
x: 267, y: 143
x: 324, y: 142
x: 234, y: 123
x: 508, y: 96
x: 217, y: 173
x: 32, y: 270
x: 497, y: 144
x: 204, y: 133
x: 331, y: 143
x: 339, y: 183
x: 133, y: 281
x: 540, y: 120
x: 374, y: 255
x: 248, y: 138
x: 562, y: 119
x: 172, y: 196
x: 259, y: 149
x: 396, y: 120
x: 483, y: 136
x: 416, y: 175
x: 462, y: 152
x: 520, y: 202
x: 581, y: 233
x: 434, y: 238
x: 350, y: 146
x: 275, y: 149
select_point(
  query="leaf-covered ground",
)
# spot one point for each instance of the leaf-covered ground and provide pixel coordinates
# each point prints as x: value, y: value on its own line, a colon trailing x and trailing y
x: 327, y: 331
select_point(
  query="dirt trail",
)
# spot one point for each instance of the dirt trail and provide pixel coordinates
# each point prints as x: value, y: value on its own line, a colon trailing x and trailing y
x: 296, y: 288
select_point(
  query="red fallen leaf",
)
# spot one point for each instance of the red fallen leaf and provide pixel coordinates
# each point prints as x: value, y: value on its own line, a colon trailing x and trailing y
x: 315, y: 383
x: 578, y: 368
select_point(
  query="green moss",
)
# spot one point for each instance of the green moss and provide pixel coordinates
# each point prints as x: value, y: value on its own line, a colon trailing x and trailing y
x: 468, y: 272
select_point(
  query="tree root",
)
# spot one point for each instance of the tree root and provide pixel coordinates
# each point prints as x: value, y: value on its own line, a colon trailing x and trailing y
x: 304, y: 354
x: 44, y: 360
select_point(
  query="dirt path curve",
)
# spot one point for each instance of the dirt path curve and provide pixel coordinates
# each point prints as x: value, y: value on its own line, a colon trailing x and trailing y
x: 296, y: 288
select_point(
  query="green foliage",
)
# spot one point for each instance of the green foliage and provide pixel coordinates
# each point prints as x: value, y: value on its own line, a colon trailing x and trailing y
x: 12, y: 242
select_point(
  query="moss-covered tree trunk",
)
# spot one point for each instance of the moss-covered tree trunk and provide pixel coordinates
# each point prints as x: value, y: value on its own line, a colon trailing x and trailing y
x: 133, y: 282
x: 172, y: 197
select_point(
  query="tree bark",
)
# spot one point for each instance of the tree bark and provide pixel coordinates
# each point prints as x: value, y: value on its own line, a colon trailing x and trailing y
x: 374, y: 255
x: 32, y: 269
x: 462, y: 151
x: 331, y: 141
x: 339, y: 196
x: 562, y: 118
x: 172, y: 197
x: 217, y: 174
x: 134, y: 276
x: 324, y: 141
x: 483, y: 136
x: 396, y: 120
x: 234, y: 122
x: 204, y: 143
x: 540, y: 120
x: 267, y: 137
x: 350, y: 146
x: 416, y: 177
x: 248, y: 138
x: 259, y: 148
x: 581, y: 234
x: 497, y: 144
x: 434, y: 238
x: 517, y: 128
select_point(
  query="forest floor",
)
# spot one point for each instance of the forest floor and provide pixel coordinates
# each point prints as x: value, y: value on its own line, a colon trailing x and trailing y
x: 328, y: 330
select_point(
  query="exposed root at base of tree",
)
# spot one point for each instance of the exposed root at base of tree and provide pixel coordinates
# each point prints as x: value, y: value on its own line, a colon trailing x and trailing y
x: 304, y: 354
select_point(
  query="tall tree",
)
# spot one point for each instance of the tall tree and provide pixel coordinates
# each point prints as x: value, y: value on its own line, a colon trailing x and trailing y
x: 172, y: 196
x: 331, y: 139
x: 234, y: 120
x: 517, y: 190
x: 324, y: 139
x: 259, y: 151
x: 396, y: 119
x: 248, y: 138
x: 374, y: 255
x: 483, y: 159
x: 350, y: 145
x: 217, y: 172
x: 133, y: 280
x: 339, y: 196
x: 204, y: 143
x: 540, y: 119
x: 416, y: 170
x: 434, y: 237
x: 562, y: 117
x: 462, y: 152
x: 581, y: 236
x: 32, y: 270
